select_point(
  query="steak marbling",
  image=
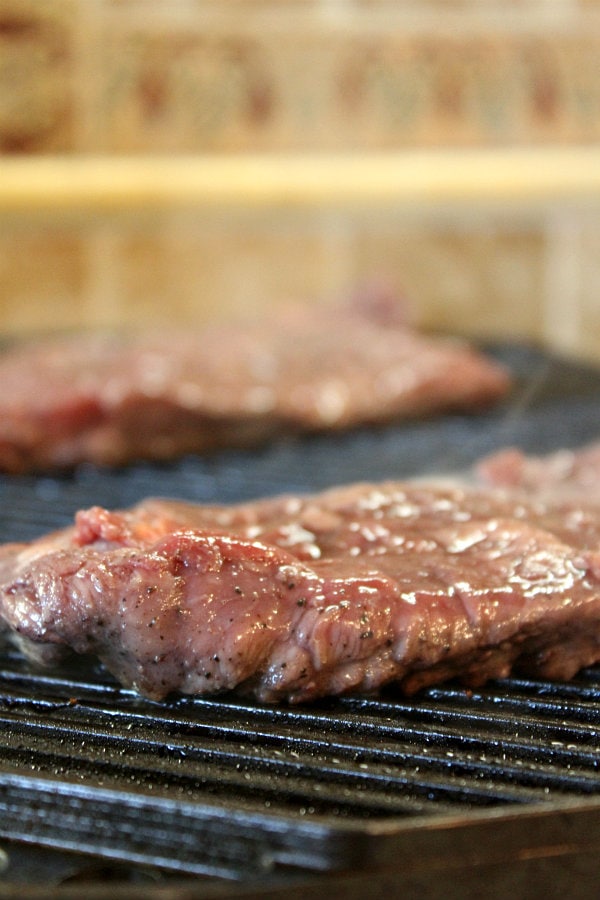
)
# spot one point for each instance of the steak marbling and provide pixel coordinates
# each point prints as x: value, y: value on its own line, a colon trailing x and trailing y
x: 293, y: 598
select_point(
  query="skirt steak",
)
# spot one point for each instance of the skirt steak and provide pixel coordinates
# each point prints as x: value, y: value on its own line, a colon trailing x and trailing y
x: 292, y: 598
x: 110, y: 400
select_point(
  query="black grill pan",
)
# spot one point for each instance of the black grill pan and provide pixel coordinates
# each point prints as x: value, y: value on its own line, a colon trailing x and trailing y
x: 225, y: 788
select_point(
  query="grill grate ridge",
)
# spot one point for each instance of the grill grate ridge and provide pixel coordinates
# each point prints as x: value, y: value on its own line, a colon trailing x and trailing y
x: 459, y: 751
x: 355, y: 760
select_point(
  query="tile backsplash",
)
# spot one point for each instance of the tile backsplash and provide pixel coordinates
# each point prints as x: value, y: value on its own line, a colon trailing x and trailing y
x: 126, y: 76
x: 191, y: 76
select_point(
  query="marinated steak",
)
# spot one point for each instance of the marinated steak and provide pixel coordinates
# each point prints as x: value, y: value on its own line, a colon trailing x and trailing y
x: 568, y: 474
x: 110, y: 400
x: 293, y: 598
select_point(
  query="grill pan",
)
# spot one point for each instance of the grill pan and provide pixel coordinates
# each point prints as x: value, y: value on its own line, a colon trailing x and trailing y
x: 225, y: 797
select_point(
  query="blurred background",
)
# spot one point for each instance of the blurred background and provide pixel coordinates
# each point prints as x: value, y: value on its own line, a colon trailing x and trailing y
x: 147, y: 78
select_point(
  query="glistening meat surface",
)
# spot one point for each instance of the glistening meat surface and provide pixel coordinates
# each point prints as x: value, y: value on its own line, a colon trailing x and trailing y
x: 110, y: 400
x: 571, y: 475
x: 293, y: 598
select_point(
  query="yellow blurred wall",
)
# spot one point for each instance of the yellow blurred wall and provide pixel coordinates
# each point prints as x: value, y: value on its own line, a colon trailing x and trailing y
x: 275, y: 76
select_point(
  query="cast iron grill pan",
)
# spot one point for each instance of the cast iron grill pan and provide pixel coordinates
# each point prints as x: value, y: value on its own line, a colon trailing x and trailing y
x: 229, y: 787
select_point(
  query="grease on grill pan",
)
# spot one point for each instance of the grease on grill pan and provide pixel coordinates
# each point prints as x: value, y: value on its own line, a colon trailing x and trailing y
x: 221, y: 786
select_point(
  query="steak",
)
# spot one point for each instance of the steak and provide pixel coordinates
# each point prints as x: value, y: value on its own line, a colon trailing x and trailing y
x: 292, y: 598
x: 572, y: 475
x: 110, y: 399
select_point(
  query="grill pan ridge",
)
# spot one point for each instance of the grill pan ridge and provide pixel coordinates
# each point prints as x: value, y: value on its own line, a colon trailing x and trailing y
x: 232, y: 788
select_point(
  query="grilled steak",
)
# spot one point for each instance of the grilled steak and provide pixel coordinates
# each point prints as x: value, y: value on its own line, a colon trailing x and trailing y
x: 157, y: 396
x: 293, y: 598
x: 571, y: 475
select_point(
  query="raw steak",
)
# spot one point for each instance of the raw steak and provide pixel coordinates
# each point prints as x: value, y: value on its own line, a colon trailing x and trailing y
x: 293, y: 598
x: 112, y: 400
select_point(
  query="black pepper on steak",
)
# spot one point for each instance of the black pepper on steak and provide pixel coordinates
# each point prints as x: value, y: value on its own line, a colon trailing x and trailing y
x: 292, y: 598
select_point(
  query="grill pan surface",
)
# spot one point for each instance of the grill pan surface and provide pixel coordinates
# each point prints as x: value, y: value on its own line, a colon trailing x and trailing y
x: 204, y: 789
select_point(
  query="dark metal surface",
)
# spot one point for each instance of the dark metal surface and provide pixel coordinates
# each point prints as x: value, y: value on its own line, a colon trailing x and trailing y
x: 222, y: 787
